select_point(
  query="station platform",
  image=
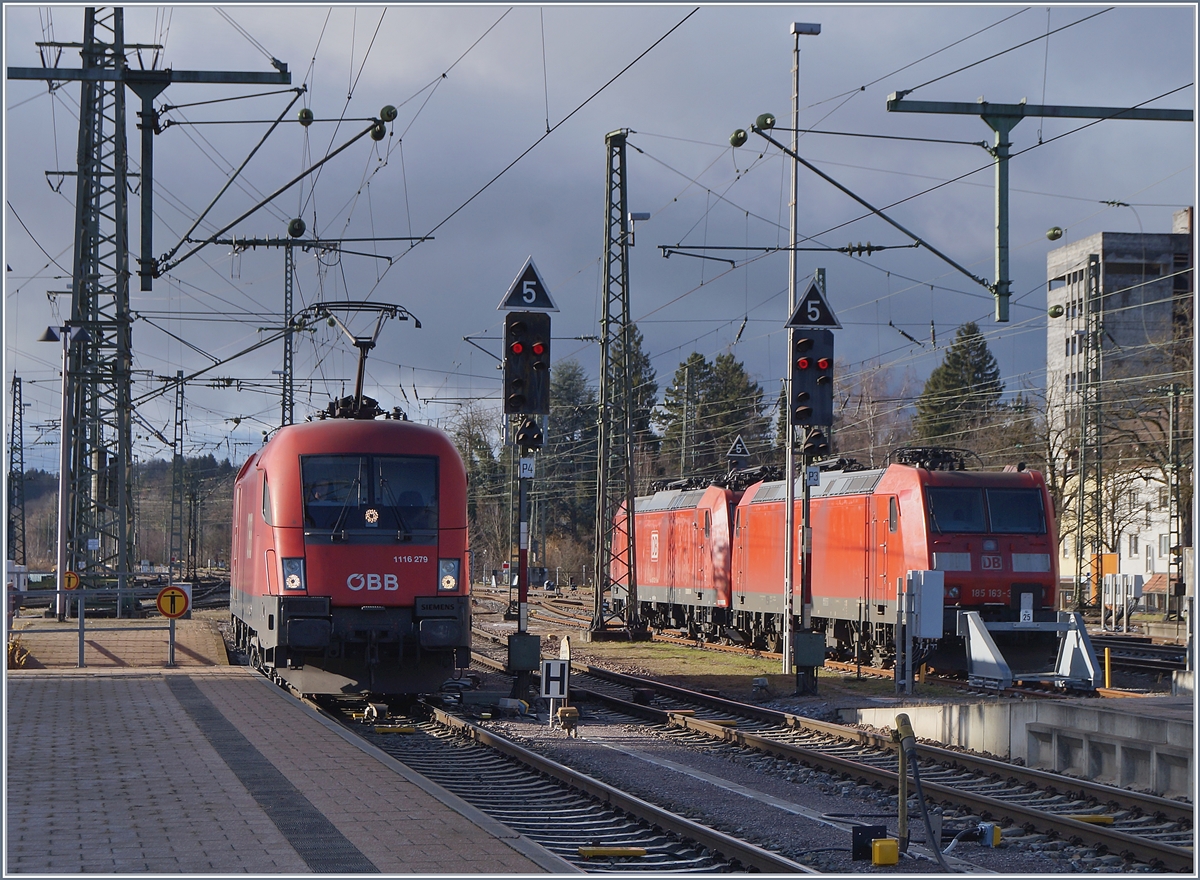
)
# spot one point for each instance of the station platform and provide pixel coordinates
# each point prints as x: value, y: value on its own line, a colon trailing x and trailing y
x: 117, y: 643
x: 209, y: 768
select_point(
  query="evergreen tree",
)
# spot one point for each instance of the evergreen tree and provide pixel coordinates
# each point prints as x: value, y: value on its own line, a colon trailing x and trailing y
x: 706, y: 407
x: 645, y: 390
x: 566, y: 484
x: 962, y: 393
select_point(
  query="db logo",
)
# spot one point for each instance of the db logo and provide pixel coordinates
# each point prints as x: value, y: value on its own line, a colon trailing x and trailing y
x: 372, y: 582
x: 992, y: 563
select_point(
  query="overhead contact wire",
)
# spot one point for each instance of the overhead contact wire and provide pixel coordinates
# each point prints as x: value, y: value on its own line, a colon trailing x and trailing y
x: 554, y: 128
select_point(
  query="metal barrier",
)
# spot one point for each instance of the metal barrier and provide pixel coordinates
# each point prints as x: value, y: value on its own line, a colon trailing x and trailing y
x: 80, y: 596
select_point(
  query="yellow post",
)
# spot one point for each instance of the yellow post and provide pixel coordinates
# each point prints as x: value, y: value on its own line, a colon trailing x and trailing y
x: 1108, y: 667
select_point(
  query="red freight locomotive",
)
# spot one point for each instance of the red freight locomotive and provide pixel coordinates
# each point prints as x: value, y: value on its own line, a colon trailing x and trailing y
x: 711, y: 560
x: 349, y: 557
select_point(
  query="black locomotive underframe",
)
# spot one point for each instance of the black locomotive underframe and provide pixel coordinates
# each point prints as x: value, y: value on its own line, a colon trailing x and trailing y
x: 317, y: 648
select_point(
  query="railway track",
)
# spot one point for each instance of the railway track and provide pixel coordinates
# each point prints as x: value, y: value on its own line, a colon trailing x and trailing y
x: 1142, y: 828
x: 594, y: 827
x: 1131, y: 652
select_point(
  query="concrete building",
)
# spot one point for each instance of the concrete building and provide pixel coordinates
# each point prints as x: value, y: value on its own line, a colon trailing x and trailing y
x: 1119, y: 380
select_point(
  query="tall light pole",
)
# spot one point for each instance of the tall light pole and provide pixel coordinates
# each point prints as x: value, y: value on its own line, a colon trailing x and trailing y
x: 66, y: 335
x: 789, y: 538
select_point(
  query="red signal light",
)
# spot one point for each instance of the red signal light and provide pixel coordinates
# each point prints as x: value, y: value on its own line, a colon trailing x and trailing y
x: 823, y: 363
x: 539, y: 348
x: 517, y: 348
x: 802, y: 363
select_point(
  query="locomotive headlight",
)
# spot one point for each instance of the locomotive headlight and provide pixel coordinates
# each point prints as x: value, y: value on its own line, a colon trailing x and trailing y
x: 448, y: 570
x: 951, y: 592
x: 293, y: 574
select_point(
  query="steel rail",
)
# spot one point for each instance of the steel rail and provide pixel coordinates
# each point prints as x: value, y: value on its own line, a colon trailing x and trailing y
x: 752, y: 857
x: 1173, y: 858
x: 1176, y: 811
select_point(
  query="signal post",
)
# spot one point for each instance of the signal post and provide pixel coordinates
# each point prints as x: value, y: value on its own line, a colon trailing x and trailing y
x: 810, y: 411
x: 526, y: 395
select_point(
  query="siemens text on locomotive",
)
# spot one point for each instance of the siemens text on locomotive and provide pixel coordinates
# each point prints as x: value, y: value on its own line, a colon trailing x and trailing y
x: 348, y: 567
x: 710, y: 558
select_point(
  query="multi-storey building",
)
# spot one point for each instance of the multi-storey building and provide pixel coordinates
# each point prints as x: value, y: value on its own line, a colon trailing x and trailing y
x: 1119, y: 380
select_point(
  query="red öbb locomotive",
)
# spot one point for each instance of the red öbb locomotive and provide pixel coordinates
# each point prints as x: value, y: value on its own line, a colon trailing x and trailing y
x: 710, y: 559
x: 348, y: 569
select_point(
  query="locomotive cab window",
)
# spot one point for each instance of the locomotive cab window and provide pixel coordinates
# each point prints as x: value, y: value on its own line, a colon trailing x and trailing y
x: 1017, y: 511
x: 893, y: 514
x: 956, y: 510
x: 974, y: 511
x: 267, y: 502
x: 370, y: 498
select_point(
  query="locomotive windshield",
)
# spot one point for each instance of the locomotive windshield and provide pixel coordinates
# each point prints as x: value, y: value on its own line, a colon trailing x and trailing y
x: 956, y: 510
x: 1016, y: 511
x: 370, y: 498
x: 1008, y: 511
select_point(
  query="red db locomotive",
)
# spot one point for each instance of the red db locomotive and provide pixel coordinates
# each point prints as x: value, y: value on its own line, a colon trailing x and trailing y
x: 711, y: 560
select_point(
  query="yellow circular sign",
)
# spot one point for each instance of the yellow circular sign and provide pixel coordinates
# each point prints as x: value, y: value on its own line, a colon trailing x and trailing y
x: 172, y: 602
x: 70, y: 580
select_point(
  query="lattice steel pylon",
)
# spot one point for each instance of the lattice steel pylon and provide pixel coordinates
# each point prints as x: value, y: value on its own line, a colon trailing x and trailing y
x: 287, y: 415
x: 99, y: 533
x: 1090, y: 490
x: 616, y: 557
x: 176, y: 561
x: 16, y: 477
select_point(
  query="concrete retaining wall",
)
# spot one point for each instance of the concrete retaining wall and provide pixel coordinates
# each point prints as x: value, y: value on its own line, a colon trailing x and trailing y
x: 1145, y: 751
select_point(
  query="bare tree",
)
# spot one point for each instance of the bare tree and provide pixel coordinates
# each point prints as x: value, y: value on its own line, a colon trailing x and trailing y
x: 871, y: 416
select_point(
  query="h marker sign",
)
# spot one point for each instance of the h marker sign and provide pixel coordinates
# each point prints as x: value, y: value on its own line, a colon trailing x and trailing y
x: 555, y: 674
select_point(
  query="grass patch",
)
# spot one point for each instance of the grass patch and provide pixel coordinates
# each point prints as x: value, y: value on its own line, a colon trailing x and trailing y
x: 17, y: 654
x: 732, y: 675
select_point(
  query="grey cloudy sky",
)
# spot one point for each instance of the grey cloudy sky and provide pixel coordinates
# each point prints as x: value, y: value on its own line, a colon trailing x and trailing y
x: 512, y: 71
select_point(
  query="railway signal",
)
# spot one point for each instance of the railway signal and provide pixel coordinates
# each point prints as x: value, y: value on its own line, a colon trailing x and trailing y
x: 527, y: 363
x: 529, y: 435
x: 812, y: 377
x: 815, y: 444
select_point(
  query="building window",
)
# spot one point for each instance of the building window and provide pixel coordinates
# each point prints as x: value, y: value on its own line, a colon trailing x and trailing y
x: 1164, y: 545
x: 1133, y: 546
x: 1164, y: 498
x: 1149, y: 563
x: 1068, y: 351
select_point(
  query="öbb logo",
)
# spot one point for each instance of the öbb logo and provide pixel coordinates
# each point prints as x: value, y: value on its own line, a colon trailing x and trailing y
x: 387, y: 582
